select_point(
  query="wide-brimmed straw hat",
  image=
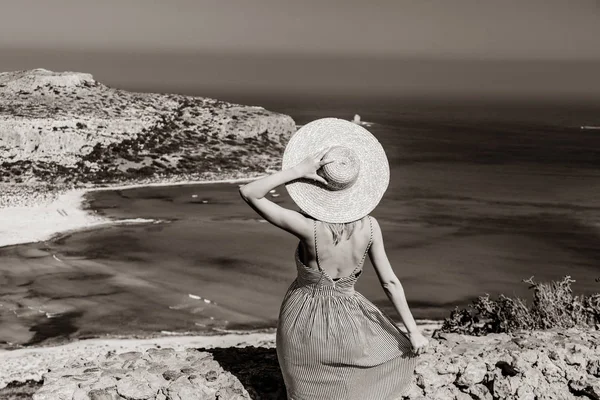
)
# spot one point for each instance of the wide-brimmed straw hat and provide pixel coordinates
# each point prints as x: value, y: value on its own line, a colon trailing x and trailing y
x: 356, y: 179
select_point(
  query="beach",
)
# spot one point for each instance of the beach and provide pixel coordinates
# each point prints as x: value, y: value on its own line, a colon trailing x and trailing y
x: 26, y: 219
x: 32, y: 223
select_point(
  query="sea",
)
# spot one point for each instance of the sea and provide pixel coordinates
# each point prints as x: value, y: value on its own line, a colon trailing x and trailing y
x: 484, y: 193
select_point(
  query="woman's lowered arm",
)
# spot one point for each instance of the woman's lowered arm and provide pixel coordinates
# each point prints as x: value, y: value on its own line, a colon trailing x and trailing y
x: 388, y: 279
x: 394, y: 290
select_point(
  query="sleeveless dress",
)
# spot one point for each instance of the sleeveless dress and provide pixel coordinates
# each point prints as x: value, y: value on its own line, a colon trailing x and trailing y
x: 333, y: 343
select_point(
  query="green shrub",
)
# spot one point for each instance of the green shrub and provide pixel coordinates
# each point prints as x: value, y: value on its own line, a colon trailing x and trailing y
x: 553, y: 306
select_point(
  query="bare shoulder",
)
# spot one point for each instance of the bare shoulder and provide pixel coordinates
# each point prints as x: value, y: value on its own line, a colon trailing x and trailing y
x: 378, y: 254
x: 374, y: 220
x: 375, y: 224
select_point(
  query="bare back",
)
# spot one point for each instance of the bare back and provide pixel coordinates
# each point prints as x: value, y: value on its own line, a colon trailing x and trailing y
x: 339, y: 260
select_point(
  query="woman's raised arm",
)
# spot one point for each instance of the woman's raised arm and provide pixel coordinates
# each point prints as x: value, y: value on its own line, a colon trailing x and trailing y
x: 289, y: 220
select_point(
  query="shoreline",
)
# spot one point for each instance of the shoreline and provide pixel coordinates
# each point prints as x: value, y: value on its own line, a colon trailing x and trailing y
x: 65, y: 214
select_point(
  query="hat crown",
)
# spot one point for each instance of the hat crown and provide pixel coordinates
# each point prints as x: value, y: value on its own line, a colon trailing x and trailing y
x: 343, y: 171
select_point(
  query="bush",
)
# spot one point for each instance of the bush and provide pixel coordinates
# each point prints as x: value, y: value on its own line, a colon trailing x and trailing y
x: 554, y: 306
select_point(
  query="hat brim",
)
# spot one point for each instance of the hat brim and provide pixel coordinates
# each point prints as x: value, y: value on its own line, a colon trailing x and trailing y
x: 348, y: 204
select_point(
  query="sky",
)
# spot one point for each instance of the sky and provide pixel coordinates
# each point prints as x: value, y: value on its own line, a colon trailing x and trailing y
x: 176, y: 33
x: 476, y: 28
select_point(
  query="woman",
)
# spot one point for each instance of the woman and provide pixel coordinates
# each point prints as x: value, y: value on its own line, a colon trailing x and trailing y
x: 332, y: 343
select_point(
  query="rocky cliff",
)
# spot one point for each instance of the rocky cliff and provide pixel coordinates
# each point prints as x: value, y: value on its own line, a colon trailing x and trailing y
x: 68, y: 128
x: 539, y: 365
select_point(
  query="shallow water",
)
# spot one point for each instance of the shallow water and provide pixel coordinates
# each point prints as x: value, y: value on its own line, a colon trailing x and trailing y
x: 481, y: 197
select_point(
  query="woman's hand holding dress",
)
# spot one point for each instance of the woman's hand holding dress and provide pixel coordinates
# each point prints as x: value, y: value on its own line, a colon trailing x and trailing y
x: 418, y: 341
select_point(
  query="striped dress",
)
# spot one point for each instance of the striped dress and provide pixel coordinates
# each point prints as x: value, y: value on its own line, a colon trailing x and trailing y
x: 333, y: 343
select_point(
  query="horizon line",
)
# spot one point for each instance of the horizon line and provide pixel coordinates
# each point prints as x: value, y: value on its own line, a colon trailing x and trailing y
x: 300, y: 54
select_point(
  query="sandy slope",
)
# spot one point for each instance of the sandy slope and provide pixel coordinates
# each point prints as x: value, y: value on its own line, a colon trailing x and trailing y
x: 25, y: 224
x: 31, y: 224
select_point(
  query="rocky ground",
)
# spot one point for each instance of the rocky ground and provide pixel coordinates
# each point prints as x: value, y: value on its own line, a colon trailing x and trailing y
x: 540, y: 365
x: 66, y: 129
x: 154, y: 374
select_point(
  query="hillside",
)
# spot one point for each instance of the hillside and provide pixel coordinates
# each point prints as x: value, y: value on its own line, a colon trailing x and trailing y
x: 65, y: 128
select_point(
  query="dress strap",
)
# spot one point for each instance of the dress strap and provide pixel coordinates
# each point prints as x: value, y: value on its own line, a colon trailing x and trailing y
x: 317, y: 254
x: 368, y: 245
x: 316, y: 247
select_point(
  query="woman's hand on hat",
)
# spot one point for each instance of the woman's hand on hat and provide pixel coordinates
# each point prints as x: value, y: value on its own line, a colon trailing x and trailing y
x: 311, y: 164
